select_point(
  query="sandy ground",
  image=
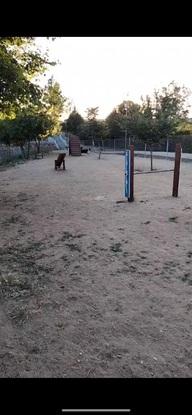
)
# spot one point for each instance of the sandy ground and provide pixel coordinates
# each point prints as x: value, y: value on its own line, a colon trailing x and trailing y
x: 89, y: 287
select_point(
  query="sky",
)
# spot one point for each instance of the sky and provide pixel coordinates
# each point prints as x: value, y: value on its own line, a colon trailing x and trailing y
x: 104, y: 71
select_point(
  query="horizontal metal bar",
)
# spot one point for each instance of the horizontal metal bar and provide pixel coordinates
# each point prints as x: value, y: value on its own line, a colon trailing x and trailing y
x: 96, y: 410
x: 153, y: 171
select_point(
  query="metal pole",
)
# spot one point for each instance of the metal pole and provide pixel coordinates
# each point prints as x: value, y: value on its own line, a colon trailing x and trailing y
x: 126, y: 129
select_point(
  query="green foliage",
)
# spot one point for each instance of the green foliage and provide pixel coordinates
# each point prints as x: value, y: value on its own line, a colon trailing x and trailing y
x: 15, y: 89
x: 92, y: 113
x: 5, y: 131
x: 184, y: 128
x: 113, y: 122
x: 74, y: 123
x: 54, y: 103
x: 25, y: 128
x: 19, y: 63
x: 124, y: 117
x: 94, y: 128
x: 161, y: 115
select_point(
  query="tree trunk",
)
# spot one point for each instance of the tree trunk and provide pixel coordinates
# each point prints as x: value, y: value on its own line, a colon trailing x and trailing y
x: 9, y: 153
x: 38, y: 146
x: 28, y: 149
x: 151, y: 153
x: 23, y: 150
x: 167, y: 147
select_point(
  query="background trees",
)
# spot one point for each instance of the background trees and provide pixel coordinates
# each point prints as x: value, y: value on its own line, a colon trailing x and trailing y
x: 161, y: 115
x: 35, y: 111
x: 74, y: 123
x: 87, y: 129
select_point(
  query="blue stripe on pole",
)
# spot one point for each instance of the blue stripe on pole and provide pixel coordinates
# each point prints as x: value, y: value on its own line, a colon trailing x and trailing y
x: 127, y: 172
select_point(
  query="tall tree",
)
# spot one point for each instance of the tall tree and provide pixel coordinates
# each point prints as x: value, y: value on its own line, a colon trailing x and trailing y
x: 123, y: 119
x: 20, y: 62
x: 92, y: 113
x: 161, y: 115
x: 54, y: 103
x: 92, y: 126
x: 113, y: 122
x: 74, y: 123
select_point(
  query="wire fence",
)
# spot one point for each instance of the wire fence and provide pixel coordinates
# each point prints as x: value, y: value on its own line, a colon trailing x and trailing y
x: 15, y: 153
x: 115, y: 145
x: 111, y: 145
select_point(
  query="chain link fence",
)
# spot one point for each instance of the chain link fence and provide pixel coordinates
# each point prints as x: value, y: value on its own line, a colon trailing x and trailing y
x: 16, y: 153
x: 112, y: 145
x: 116, y: 145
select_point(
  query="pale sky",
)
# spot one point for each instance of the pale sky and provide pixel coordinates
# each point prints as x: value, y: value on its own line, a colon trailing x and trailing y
x: 104, y: 71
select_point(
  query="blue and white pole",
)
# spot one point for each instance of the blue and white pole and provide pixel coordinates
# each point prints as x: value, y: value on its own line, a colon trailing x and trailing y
x: 129, y: 173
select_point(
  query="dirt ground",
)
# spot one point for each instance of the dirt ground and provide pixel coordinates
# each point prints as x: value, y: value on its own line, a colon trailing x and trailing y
x: 90, y: 287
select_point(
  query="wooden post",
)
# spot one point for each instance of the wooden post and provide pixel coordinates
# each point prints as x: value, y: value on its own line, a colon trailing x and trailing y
x: 176, y: 170
x: 131, y: 197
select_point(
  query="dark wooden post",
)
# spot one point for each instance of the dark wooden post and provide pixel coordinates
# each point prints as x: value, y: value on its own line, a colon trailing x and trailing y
x: 176, y: 170
x: 131, y: 197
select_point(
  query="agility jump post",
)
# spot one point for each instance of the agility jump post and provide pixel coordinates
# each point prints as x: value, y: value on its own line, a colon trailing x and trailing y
x: 129, y: 172
x: 176, y: 170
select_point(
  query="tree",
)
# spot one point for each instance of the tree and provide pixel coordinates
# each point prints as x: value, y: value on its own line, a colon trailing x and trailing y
x: 92, y: 113
x: 93, y: 127
x: 27, y: 111
x: 113, y: 122
x: 5, y: 132
x: 146, y: 127
x: 74, y: 123
x: 184, y: 127
x: 123, y: 119
x: 20, y: 62
x: 54, y: 104
x: 128, y: 117
x: 24, y: 129
x: 161, y: 115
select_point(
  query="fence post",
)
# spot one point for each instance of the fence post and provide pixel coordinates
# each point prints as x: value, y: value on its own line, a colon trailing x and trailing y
x: 167, y: 147
x: 176, y: 170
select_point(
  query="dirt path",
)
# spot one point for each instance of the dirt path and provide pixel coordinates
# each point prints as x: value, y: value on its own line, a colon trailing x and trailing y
x: 89, y: 287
